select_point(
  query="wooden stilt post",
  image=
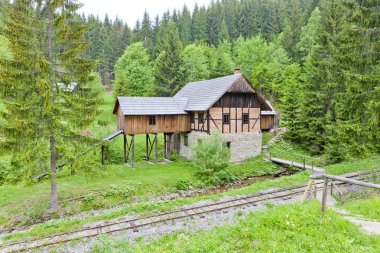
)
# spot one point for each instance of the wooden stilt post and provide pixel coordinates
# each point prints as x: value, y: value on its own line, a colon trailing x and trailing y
x: 165, y: 146
x: 324, y: 196
x: 315, y: 189
x: 125, y: 148
x: 156, y: 148
x: 133, y: 152
x: 147, y: 148
x: 103, y: 161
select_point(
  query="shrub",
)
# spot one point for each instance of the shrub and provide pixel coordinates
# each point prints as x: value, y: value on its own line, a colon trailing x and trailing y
x: 211, y: 159
x: 182, y: 185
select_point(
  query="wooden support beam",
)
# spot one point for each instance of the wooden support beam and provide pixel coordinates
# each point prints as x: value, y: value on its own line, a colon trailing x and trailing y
x: 208, y: 121
x: 324, y: 196
x: 133, y: 151
x: 103, y: 161
x: 165, y: 147
x: 147, y: 148
x: 125, y: 148
x: 156, y: 148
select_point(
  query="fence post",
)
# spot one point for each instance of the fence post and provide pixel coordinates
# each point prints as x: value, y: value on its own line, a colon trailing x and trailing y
x: 304, y: 162
x: 324, y: 196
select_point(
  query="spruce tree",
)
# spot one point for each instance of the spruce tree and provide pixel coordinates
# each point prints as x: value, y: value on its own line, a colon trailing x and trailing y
x: 184, y: 25
x: 45, y: 88
x: 167, y: 65
x: 199, y: 24
x: 356, y: 104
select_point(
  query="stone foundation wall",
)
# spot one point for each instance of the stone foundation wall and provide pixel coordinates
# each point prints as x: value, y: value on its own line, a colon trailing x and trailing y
x: 242, y: 145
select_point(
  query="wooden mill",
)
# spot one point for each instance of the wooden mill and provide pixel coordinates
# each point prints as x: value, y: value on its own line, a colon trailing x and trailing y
x: 228, y: 106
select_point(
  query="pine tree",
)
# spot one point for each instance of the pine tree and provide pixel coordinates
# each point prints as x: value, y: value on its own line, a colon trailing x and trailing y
x: 356, y: 104
x: 167, y: 65
x: 222, y: 63
x: 212, y: 23
x: 322, y: 80
x: 199, y: 25
x: 223, y: 33
x: 45, y: 88
x: 309, y: 33
x: 133, y: 74
x: 146, y: 31
x: 184, y: 25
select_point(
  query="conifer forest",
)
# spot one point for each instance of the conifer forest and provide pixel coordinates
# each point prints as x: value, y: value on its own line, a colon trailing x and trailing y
x: 318, y: 61
x: 61, y: 71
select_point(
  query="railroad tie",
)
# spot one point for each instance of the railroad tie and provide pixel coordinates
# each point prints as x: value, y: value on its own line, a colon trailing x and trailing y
x: 133, y: 226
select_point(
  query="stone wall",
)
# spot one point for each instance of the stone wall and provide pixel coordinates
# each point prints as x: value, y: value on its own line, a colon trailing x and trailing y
x: 242, y: 145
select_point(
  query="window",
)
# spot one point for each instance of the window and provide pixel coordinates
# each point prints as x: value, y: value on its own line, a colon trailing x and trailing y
x: 226, y: 118
x: 245, y: 118
x: 200, y: 118
x: 152, y: 120
x: 192, y: 120
x: 186, y: 140
x: 228, y: 144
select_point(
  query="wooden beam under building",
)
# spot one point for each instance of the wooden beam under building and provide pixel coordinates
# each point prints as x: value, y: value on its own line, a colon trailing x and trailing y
x: 156, y: 148
x: 133, y: 151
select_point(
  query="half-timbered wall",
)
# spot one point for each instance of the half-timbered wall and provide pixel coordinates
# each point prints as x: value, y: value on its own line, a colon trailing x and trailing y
x: 235, y: 105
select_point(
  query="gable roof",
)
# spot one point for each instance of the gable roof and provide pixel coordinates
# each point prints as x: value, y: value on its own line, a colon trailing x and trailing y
x: 151, y: 105
x: 204, y: 94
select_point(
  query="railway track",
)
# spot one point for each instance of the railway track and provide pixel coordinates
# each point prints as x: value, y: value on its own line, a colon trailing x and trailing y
x: 146, y: 221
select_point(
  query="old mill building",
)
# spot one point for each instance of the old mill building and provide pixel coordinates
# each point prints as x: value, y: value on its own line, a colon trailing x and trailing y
x: 227, y: 105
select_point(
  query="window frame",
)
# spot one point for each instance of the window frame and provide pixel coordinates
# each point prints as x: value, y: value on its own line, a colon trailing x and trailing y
x: 245, y: 118
x: 224, y: 116
x: 152, y: 120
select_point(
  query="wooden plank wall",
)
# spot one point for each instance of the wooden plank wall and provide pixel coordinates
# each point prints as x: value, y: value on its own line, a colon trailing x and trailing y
x: 268, y: 122
x: 164, y: 124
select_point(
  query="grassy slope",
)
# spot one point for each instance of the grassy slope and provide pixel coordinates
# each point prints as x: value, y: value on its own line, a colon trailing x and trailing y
x: 369, y: 208
x: 289, y: 228
x: 160, y: 206
x: 19, y: 206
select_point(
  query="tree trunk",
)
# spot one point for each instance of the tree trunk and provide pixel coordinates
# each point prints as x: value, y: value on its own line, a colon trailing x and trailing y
x: 53, y: 181
x: 53, y: 150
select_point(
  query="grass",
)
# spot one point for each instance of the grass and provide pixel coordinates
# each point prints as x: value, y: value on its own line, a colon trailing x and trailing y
x: 117, y: 185
x: 145, y: 208
x: 110, y: 186
x: 368, y: 208
x: 293, y: 152
x: 287, y: 228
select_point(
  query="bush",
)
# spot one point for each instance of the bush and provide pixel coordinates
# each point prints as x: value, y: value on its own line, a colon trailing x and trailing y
x: 211, y: 159
x: 182, y: 185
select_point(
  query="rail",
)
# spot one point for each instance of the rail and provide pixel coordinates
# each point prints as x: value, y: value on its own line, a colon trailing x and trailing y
x: 328, y: 177
x: 140, y: 222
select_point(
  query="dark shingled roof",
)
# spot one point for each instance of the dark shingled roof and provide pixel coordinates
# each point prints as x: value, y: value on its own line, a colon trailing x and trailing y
x: 152, y: 105
x: 203, y: 94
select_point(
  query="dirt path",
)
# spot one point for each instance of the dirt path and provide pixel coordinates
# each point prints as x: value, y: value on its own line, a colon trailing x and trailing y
x: 370, y: 227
